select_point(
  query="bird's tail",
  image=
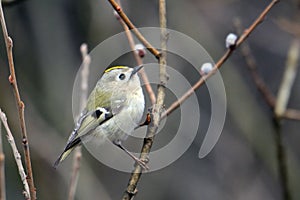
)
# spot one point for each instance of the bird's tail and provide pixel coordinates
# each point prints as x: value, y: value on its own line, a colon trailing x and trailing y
x: 69, y: 148
x: 62, y: 157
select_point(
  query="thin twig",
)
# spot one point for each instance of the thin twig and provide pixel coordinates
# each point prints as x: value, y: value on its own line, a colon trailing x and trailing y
x: 2, y: 169
x: 279, y: 105
x: 86, y: 60
x: 288, y: 79
x: 261, y: 85
x: 17, y: 155
x: 157, y: 108
x: 131, y: 26
x: 252, y: 66
x: 222, y: 60
x: 292, y: 114
x: 139, y: 61
x: 20, y: 105
x: 289, y: 26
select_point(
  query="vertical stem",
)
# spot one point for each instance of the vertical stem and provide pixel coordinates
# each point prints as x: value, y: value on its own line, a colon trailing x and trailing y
x: 156, y: 110
x: 86, y: 60
x: 288, y: 79
x: 75, y: 173
x: 2, y: 170
x: 280, y: 108
x: 163, y: 58
x: 20, y: 104
x: 282, y: 161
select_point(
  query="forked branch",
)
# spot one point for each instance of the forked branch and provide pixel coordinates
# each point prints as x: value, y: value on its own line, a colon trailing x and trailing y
x: 138, y: 59
x: 20, y: 104
x: 131, y: 26
x: 222, y: 60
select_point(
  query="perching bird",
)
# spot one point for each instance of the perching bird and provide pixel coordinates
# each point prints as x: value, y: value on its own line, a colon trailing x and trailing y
x: 114, y: 109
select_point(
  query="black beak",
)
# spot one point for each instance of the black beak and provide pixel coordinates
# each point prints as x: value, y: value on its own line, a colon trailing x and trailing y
x: 136, y: 69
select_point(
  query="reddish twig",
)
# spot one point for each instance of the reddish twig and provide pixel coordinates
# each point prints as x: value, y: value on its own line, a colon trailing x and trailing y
x: 278, y: 105
x: 20, y: 104
x: 131, y: 26
x: 139, y: 61
x: 262, y: 87
x: 219, y: 64
x: 270, y: 100
x: 252, y: 66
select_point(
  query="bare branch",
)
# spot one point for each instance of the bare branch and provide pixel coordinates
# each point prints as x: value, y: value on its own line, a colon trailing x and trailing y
x: 20, y: 104
x: 292, y: 114
x: 280, y: 111
x: 252, y: 66
x: 131, y: 26
x: 2, y: 169
x: 222, y: 60
x: 279, y: 105
x: 86, y: 60
x: 270, y: 99
x: 288, y: 79
x: 139, y: 61
x: 17, y: 155
x: 292, y: 27
x: 156, y: 109
x: 281, y: 160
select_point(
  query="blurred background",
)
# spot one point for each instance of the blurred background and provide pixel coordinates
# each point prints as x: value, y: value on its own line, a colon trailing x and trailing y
x: 47, y: 36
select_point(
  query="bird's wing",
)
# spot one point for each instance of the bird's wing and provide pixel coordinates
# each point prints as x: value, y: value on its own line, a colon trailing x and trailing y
x: 105, y: 106
x: 89, y: 121
x: 86, y: 123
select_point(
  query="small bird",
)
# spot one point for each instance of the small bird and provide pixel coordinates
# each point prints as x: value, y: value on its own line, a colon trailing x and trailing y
x: 113, y: 110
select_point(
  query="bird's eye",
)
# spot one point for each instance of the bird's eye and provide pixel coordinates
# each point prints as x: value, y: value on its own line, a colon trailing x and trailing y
x: 122, y: 76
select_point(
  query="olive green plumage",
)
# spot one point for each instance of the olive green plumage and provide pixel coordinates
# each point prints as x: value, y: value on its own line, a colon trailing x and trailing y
x: 114, y: 108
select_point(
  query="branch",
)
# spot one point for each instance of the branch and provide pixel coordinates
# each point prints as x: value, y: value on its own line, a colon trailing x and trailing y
x: 292, y: 27
x: 131, y: 26
x: 86, y: 60
x: 280, y: 110
x: 2, y: 169
x: 252, y: 66
x: 17, y: 155
x: 20, y: 104
x: 222, y: 60
x: 279, y: 105
x: 271, y: 100
x: 281, y: 161
x: 288, y: 79
x: 157, y: 108
x: 138, y: 60
x: 262, y: 87
x: 292, y: 114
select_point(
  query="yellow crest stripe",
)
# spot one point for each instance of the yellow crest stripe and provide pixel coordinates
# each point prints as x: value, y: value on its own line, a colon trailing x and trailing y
x: 115, y: 67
